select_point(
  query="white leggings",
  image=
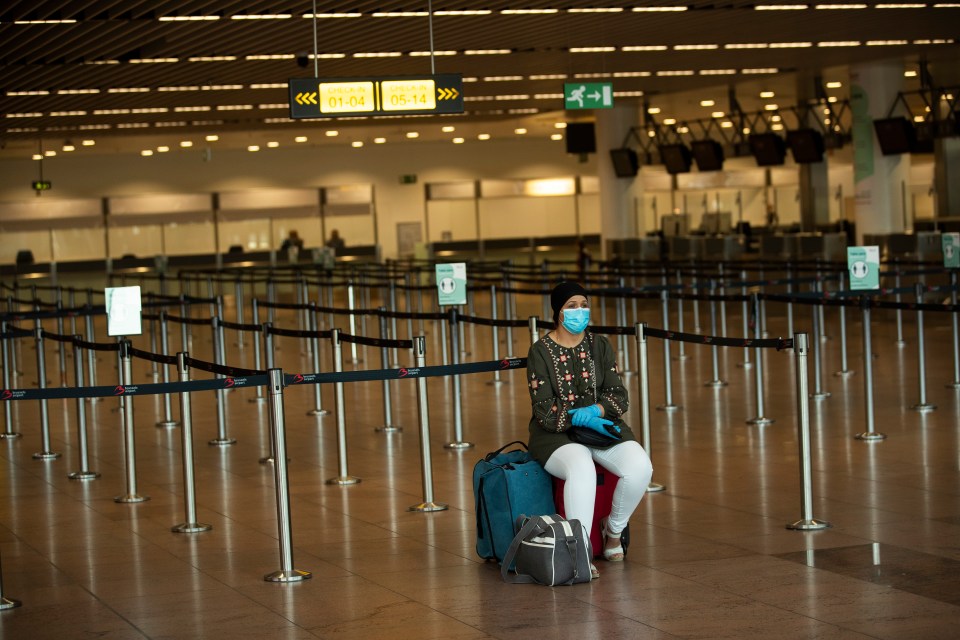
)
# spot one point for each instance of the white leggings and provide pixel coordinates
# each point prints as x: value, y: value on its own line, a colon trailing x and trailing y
x: 573, y: 463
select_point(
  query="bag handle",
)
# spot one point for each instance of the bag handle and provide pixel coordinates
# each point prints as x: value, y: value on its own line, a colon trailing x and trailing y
x: 491, y: 456
x: 533, y: 523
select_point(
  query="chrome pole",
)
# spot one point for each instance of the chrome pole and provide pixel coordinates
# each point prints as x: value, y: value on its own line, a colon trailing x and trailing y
x: 844, y: 369
x: 667, y: 383
x: 900, y: 341
x: 807, y: 521
x: 190, y: 524
x: 681, y: 348
x: 222, y: 438
x: 923, y: 406
x: 509, y: 312
x: 458, y: 442
x: 393, y: 320
x: 8, y: 432
x: 168, y: 420
x: 716, y: 382
x: 495, y: 334
x: 388, y: 426
x: 723, y: 303
x: 91, y: 354
x: 869, y: 435
x: 284, y: 524
x: 270, y: 357
x: 344, y: 478
x: 423, y: 415
x: 351, y: 305
x: 789, y: 304
x: 817, y: 346
x: 745, y: 309
x: 45, y: 453
x: 643, y: 380
x: 84, y: 473
x: 761, y: 419
x: 129, y: 444
x: 534, y: 330
x: 313, y: 318
x: 238, y: 297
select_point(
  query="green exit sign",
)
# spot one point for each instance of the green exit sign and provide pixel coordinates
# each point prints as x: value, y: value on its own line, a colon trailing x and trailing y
x: 588, y: 95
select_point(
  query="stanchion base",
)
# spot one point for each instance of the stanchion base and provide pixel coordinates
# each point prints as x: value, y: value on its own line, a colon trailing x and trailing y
x: 259, y: 400
x: 131, y: 498
x: 318, y: 412
x: 655, y: 487
x: 14, y: 435
x: 716, y: 384
x: 167, y: 424
x: 191, y: 527
x: 871, y: 436
x: 426, y: 507
x: 222, y: 442
x: 668, y: 408
x: 459, y: 446
x: 924, y: 408
x: 820, y: 395
x: 496, y: 382
x: 46, y: 455
x: 344, y: 480
x: 761, y: 421
x: 293, y: 575
x: 846, y: 373
x: 953, y: 385
x: 387, y: 428
x: 809, y: 525
x: 83, y: 475
x: 9, y: 603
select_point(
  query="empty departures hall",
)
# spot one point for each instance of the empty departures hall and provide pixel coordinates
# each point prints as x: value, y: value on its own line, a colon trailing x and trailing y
x: 270, y: 276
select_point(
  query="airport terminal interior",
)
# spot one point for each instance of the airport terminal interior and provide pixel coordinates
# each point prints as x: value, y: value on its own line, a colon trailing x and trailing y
x: 762, y: 200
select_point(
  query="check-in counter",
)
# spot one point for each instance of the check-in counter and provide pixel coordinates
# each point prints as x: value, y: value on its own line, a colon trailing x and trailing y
x: 778, y: 245
x: 687, y: 247
x: 635, y: 248
x: 727, y: 247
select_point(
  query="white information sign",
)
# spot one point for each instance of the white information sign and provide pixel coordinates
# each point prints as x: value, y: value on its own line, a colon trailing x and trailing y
x: 864, y: 266
x: 123, y: 311
x: 452, y: 283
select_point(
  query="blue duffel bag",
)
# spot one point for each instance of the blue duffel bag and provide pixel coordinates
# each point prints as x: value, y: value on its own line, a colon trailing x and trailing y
x: 507, y: 484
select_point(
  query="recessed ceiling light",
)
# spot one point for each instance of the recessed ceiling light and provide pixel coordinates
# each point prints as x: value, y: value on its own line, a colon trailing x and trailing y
x: 448, y: 129
x: 273, y: 144
x: 356, y: 144
x: 669, y: 121
x: 68, y: 146
x: 458, y: 141
x: 379, y: 140
x: 37, y: 156
x: 707, y: 103
x: 483, y: 136
x: 253, y: 147
x: 909, y: 74
x: 412, y: 134
x: 300, y: 139
x: 50, y: 153
x: 767, y: 94
x: 559, y: 125
x: 520, y: 131
x: 212, y: 138
x: 771, y: 107
x: 163, y: 149
x: 834, y: 85
x: 717, y: 114
x: 186, y: 143
x: 146, y: 152
x: 331, y: 134
x: 653, y: 110
x: 88, y: 143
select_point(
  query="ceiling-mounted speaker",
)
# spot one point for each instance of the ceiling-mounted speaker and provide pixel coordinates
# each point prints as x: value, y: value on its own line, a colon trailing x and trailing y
x: 806, y: 146
x: 708, y: 155
x: 581, y: 138
x: 768, y: 149
x: 675, y: 157
x: 626, y: 164
x: 895, y: 135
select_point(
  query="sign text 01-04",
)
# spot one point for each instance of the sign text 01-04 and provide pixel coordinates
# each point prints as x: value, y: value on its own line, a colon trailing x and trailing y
x: 387, y: 95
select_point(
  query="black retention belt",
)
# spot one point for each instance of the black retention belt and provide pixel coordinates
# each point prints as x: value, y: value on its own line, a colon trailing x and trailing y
x: 405, y: 372
x: 768, y: 343
x: 134, y: 389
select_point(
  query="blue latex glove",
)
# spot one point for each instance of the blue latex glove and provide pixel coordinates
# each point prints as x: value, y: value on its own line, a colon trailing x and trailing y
x: 581, y: 415
x: 600, y: 424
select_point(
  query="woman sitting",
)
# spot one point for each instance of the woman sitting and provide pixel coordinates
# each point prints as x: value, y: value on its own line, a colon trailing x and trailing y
x: 575, y: 388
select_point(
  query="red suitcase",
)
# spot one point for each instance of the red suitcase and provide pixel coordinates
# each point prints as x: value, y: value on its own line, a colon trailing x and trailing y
x: 606, y: 483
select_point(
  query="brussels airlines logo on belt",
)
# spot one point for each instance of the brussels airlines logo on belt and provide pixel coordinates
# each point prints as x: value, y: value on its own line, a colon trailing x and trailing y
x: 510, y: 363
x: 297, y: 378
x: 409, y: 373
x: 121, y: 390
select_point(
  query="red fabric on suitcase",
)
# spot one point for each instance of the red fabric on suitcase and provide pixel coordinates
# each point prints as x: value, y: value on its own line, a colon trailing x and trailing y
x: 606, y: 483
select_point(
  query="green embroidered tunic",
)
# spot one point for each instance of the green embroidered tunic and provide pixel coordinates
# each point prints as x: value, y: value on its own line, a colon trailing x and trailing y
x: 561, y: 379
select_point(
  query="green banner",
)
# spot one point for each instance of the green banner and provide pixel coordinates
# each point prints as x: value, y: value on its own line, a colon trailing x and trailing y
x: 588, y: 95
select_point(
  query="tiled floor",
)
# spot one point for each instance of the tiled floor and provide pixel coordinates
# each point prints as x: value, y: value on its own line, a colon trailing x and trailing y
x: 710, y: 556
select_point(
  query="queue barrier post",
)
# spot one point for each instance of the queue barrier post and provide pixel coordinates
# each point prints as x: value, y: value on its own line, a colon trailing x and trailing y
x: 286, y: 573
x: 696, y: 308
x: 91, y: 354
x: 509, y: 312
x: 314, y: 325
x: 45, y: 453
x: 222, y: 439
x: 61, y: 349
x: 681, y: 347
x: 667, y: 382
x: 534, y: 329
x: 716, y: 382
x: 423, y: 415
x: 956, y: 333
x: 723, y: 303
x: 745, y: 308
x: 258, y: 398
x: 817, y: 346
x: 238, y: 301
x: 869, y: 435
x: 189, y: 524
x: 922, y: 406
x: 351, y: 305
x: 129, y: 440
x: 761, y: 420
x: 789, y: 304
x: 168, y: 420
x: 643, y: 380
x: 845, y: 370
x: 344, y: 478
x: 268, y: 349
x: 900, y: 341
x: 408, y: 305
x: 807, y: 522
x: 622, y: 338
x: 393, y: 320
x: 388, y: 426
x: 495, y: 334
x: 84, y: 473
x: 458, y: 442
x: 8, y: 432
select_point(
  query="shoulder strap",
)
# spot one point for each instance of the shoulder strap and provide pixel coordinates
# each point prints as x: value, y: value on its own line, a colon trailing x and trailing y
x: 532, y: 524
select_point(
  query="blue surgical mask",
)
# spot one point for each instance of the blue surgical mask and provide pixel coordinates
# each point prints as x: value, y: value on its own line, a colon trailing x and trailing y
x: 576, y: 320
